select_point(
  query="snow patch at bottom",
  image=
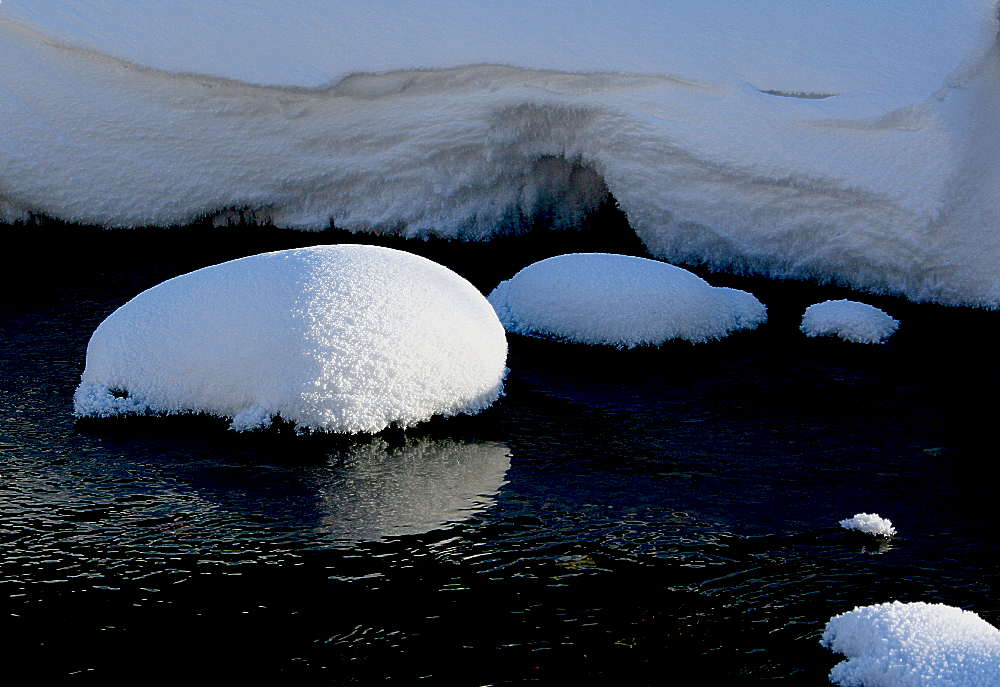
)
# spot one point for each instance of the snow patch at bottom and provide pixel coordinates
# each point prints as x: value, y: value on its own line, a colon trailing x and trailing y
x: 913, y: 645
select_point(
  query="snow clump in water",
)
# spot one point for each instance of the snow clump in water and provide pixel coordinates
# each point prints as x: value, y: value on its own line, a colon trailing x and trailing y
x: 869, y: 523
x: 342, y: 338
x: 913, y: 645
x: 622, y: 301
x: 850, y: 320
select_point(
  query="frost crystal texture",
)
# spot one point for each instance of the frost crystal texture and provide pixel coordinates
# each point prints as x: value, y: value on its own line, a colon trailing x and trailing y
x: 869, y: 523
x: 913, y: 645
x: 852, y: 141
x: 344, y: 338
x: 618, y: 300
x: 850, y: 320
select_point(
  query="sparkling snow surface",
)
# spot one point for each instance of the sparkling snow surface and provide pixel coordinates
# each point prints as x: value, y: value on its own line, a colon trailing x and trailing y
x: 852, y: 141
x: 913, y: 645
x: 618, y: 300
x: 850, y: 320
x: 869, y: 523
x: 344, y: 338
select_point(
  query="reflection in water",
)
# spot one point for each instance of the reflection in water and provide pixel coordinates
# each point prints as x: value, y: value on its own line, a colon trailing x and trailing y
x: 377, y: 490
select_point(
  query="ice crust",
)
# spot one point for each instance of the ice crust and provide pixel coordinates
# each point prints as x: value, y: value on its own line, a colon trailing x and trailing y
x: 913, y: 645
x: 343, y: 338
x: 850, y: 320
x: 619, y: 300
x: 849, y: 141
x: 869, y: 523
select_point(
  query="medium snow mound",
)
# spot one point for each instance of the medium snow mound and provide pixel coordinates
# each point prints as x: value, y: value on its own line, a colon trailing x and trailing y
x: 869, y: 523
x: 621, y: 301
x: 341, y: 338
x: 850, y: 320
x: 913, y: 645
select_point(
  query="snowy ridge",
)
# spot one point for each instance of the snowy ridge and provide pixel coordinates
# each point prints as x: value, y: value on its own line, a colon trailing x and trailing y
x: 913, y: 645
x: 886, y: 182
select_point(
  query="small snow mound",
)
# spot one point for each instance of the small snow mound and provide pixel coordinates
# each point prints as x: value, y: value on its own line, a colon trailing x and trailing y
x: 913, y: 645
x: 850, y: 320
x: 344, y: 338
x: 622, y: 301
x: 869, y: 523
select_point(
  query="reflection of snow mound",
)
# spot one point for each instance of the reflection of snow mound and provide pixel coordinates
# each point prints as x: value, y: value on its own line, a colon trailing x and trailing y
x: 340, y: 338
x: 597, y: 298
x: 913, y: 645
x: 869, y: 523
x: 850, y: 320
x: 853, y: 140
x: 377, y: 491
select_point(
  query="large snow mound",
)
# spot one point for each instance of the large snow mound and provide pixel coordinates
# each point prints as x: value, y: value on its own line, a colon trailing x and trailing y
x: 913, y: 645
x: 376, y: 490
x: 343, y: 338
x: 869, y: 523
x: 850, y: 320
x: 618, y: 300
x: 849, y: 141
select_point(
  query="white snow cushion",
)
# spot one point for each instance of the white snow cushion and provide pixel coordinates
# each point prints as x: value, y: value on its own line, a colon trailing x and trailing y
x: 869, y: 523
x: 618, y: 300
x: 850, y: 320
x: 913, y: 645
x: 344, y: 338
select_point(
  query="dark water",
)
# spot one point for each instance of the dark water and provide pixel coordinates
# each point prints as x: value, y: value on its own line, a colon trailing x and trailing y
x: 618, y: 518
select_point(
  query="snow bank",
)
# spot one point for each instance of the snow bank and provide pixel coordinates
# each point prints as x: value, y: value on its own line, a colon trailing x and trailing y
x: 850, y: 320
x: 377, y: 490
x: 342, y: 338
x: 913, y: 645
x: 849, y: 141
x: 869, y: 523
x: 618, y: 300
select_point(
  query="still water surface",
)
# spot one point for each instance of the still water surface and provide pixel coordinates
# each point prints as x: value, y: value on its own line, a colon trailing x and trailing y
x: 615, y: 517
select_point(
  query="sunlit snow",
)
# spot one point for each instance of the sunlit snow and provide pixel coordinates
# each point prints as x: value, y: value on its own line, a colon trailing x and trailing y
x: 869, y: 523
x: 913, y: 645
x: 346, y: 338
x: 851, y: 141
x: 619, y: 300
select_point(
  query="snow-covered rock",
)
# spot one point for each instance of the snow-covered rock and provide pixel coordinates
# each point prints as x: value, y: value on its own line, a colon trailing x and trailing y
x: 850, y: 320
x: 618, y: 300
x: 343, y: 338
x: 852, y: 141
x: 376, y: 489
x: 869, y: 523
x: 913, y: 645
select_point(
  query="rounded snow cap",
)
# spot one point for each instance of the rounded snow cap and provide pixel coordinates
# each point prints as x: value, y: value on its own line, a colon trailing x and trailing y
x: 913, y: 644
x: 850, y: 320
x: 342, y: 338
x: 869, y: 523
x: 622, y: 301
